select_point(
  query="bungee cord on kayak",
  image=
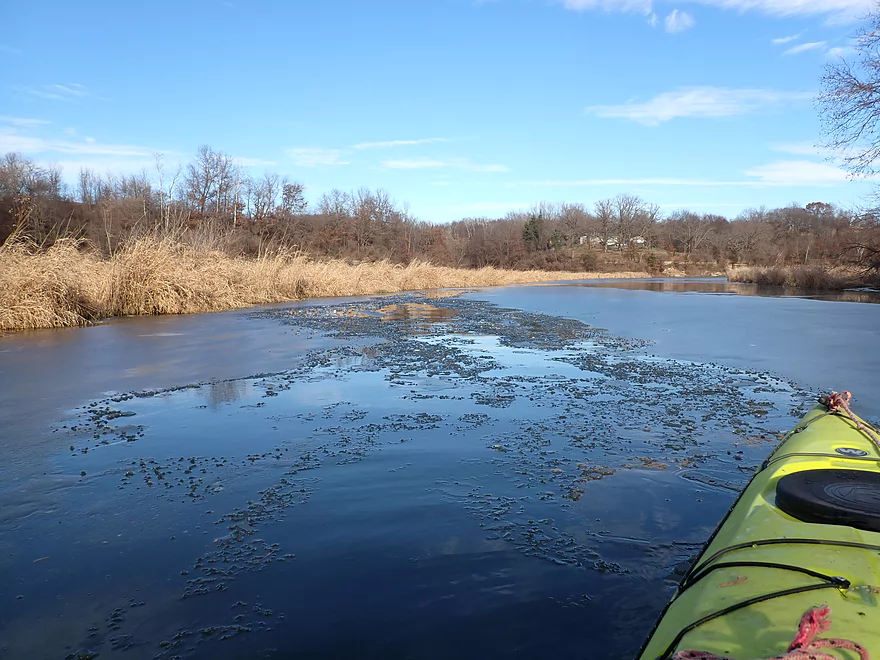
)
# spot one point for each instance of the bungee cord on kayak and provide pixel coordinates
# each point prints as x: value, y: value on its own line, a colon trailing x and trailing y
x: 806, y: 644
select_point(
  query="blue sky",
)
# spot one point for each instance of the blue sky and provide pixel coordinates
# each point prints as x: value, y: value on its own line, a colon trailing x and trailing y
x: 458, y: 107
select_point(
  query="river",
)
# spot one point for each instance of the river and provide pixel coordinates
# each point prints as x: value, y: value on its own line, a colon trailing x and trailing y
x: 512, y: 472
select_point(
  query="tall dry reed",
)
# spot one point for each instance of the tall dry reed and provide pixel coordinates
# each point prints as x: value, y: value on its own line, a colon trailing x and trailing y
x: 803, y: 277
x: 69, y: 284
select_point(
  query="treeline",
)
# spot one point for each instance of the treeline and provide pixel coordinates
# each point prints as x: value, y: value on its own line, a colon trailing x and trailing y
x: 213, y: 203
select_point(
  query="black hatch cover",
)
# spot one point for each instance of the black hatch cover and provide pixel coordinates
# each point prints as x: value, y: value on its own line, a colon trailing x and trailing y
x: 832, y: 497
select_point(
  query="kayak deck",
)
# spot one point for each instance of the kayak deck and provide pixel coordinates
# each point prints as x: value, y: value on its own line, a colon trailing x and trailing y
x: 763, y: 568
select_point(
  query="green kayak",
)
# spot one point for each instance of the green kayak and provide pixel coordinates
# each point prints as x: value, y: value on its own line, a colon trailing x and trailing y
x: 793, y: 571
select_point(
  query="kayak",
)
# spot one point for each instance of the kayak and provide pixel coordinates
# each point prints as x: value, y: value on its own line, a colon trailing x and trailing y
x: 793, y: 570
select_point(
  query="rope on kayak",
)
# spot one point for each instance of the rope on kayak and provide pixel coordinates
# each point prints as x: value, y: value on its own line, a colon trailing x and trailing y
x: 838, y: 402
x: 836, y: 582
x: 806, y: 644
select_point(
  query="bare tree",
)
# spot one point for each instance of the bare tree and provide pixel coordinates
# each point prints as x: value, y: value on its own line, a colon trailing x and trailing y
x: 293, y: 200
x: 849, y: 103
x: 263, y: 196
x: 574, y: 219
x: 689, y: 230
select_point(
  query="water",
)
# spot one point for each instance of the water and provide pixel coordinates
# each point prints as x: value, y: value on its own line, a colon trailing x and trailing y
x: 522, y: 471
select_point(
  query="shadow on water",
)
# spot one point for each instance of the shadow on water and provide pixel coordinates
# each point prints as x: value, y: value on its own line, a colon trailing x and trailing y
x: 431, y: 479
x: 721, y: 286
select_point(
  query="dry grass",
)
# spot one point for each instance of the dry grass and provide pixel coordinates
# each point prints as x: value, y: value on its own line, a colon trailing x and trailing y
x: 69, y: 285
x: 804, y: 277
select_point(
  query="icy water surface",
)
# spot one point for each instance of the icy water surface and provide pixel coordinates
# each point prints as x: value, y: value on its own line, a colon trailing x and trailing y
x: 483, y: 475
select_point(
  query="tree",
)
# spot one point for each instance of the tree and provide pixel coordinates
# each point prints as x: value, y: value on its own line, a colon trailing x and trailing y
x: 689, y: 231
x: 213, y: 182
x: 532, y: 230
x: 293, y: 200
x: 849, y: 103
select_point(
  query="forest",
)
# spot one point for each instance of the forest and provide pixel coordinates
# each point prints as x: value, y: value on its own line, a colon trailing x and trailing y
x: 213, y: 203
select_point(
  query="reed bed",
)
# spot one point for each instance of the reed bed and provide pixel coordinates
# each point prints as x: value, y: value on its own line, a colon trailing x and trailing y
x: 69, y: 284
x: 802, y: 277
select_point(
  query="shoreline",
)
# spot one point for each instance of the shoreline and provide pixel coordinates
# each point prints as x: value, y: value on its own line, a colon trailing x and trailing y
x: 65, y: 286
x: 811, y: 277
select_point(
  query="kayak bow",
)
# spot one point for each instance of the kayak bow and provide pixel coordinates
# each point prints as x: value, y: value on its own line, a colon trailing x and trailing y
x: 803, y: 536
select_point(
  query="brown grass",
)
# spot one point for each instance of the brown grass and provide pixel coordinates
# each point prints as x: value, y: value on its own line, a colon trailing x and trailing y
x: 69, y: 284
x: 803, y: 277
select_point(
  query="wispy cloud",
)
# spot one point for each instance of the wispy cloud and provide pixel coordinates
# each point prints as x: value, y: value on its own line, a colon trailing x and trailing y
x: 24, y: 135
x: 798, y: 173
x: 679, y: 21
x: 797, y: 148
x: 396, y: 143
x: 315, y: 156
x: 840, y: 51
x: 784, y: 40
x: 793, y: 173
x: 244, y: 161
x: 807, y: 148
x: 473, y: 208
x: 452, y: 163
x: 803, y: 48
x: 20, y: 122
x: 58, y: 92
x: 698, y: 102
x: 640, y: 6
x: 646, y: 181
x: 699, y: 205
x: 29, y: 144
x: 836, y: 10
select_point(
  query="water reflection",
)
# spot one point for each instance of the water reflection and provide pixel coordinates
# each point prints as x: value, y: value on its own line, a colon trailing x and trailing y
x: 218, y: 392
x: 417, y: 317
x: 721, y: 286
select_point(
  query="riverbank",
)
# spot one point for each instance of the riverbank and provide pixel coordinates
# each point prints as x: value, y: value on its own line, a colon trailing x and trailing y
x: 66, y: 286
x: 803, y: 277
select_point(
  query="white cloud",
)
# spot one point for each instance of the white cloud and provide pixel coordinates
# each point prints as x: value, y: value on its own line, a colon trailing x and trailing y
x: 837, y: 11
x: 395, y: 143
x: 797, y: 148
x: 647, y: 181
x: 653, y: 20
x: 798, y: 173
x: 698, y: 102
x: 21, y: 122
x: 314, y: 156
x: 244, y: 161
x: 70, y: 167
x: 840, y: 51
x: 784, y: 40
x: 58, y: 92
x: 30, y: 144
x: 803, y: 48
x: 793, y: 173
x: 485, y: 207
x: 453, y: 163
x: 696, y: 205
x: 679, y: 21
x: 641, y: 6
x: 72, y: 89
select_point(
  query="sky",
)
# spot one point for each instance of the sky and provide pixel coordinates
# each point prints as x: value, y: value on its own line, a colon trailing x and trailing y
x: 459, y: 108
